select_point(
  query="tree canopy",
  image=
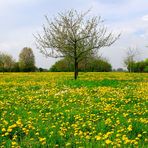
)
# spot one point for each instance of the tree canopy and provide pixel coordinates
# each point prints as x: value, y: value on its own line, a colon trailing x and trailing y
x: 6, y: 62
x: 26, y: 60
x: 140, y: 66
x: 73, y: 35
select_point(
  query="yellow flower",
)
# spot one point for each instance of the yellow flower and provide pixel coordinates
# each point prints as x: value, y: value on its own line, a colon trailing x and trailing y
x: 31, y: 139
x: 44, y: 142
x: 42, y: 139
x: 37, y: 133
x: 13, y: 143
x: 124, y: 137
x: 19, y: 123
x: 5, y: 122
x: 127, y: 141
x: 9, y: 130
x: 118, y: 135
x: 108, y: 141
x: 136, y: 143
x: 87, y: 137
x: 68, y: 144
x: 139, y: 135
x: 6, y: 134
x: 125, y: 114
x: 98, y: 137
x: 80, y: 133
x: 13, y: 126
x: 3, y: 129
x: 129, y: 128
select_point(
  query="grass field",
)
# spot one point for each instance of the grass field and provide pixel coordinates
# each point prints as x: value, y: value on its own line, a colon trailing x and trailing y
x: 53, y: 110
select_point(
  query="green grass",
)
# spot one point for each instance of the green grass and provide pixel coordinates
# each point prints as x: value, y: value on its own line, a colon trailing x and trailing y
x: 53, y: 110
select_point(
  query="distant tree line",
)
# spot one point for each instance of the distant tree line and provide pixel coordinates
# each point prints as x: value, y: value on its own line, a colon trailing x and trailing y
x: 140, y: 66
x: 93, y: 64
x: 132, y: 64
x: 26, y: 62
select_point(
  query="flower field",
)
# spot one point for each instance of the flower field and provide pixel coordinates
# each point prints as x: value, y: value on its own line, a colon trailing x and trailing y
x: 53, y: 110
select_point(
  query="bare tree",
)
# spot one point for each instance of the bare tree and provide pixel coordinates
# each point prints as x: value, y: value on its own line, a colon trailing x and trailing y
x: 72, y: 35
x: 130, y: 58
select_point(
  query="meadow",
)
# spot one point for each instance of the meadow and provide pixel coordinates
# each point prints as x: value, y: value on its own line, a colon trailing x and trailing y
x: 53, y: 110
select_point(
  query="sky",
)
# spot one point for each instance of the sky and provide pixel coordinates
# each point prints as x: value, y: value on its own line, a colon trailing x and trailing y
x: 20, y: 19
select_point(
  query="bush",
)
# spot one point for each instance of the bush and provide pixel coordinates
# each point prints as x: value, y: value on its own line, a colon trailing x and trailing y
x: 146, y: 69
x: 92, y: 64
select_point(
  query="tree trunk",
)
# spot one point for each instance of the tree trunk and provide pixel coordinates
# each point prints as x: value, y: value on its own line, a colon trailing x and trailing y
x: 3, y: 68
x: 76, y: 69
x: 75, y: 61
x: 130, y: 68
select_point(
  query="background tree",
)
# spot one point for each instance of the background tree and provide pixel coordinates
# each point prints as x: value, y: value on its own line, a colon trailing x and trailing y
x: 1, y: 62
x: 98, y: 64
x: 16, y: 67
x: 40, y: 69
x: 141, y: 66
x: 73, y: 35
x: 26, y: 60
x: 94, y: 64
x: 6, y: 62
x: 130, y: 59
x: 146, y: 65
x: 120, y: 70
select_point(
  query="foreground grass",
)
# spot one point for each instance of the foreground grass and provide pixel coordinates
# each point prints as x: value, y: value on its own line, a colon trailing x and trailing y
x: 53, y: 110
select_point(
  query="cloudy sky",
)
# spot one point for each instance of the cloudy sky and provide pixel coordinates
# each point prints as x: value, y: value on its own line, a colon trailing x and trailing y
x: 20, y: 19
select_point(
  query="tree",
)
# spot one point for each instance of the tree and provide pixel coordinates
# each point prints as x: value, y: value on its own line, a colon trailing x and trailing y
x: 130, y: 59
x: 16, y: 67
x: 2, y: 62
x: 72, y: 35
x: 40, y: 69
x: 141, y: 66
x: 120, y: 70
x: 6, y: 62
x: 99, y: 64
x: 26, y: 60
x: 94, y: 64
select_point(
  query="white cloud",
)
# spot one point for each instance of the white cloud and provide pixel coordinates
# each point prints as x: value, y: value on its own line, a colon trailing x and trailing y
x: 145, y: 18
